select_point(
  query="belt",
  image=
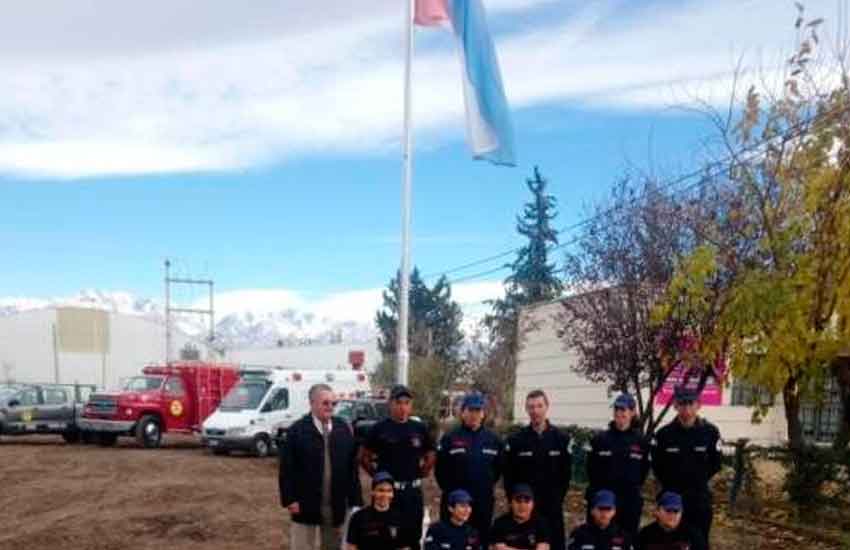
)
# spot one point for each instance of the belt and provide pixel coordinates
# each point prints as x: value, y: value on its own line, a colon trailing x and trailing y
x: 402, y: 485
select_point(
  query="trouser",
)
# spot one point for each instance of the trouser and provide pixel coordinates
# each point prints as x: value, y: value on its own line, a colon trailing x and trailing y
x: 481, y: 518
x: 315, y: 537
x: 409, y: 506
x: 551, y: 510
x: 698, y: 512
x: 629, y: 508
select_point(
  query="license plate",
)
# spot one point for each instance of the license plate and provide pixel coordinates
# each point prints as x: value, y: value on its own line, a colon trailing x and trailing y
x: 214, y: 442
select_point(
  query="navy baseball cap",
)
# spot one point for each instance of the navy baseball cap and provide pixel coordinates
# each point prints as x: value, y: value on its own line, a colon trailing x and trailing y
x: 625, y: 401
x: 670, y: 501
x: 522, y: 490
x: 684, y: 394
x: 473, y: 400
x: 399, y: 390
x: 459, y: 496
x: 603, y: 499
x: 382, y: 477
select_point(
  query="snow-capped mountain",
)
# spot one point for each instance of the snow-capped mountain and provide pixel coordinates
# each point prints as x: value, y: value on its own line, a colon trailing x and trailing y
x: 265, y: 318
x: 247, y: 328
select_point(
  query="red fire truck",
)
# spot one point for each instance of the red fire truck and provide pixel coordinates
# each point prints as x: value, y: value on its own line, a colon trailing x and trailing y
x: 176, y: 397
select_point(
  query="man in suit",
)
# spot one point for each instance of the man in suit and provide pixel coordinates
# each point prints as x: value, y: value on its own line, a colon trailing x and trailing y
x: 318, y: 475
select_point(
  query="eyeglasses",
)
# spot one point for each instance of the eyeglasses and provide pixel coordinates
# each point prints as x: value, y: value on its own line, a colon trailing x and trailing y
x: 328, y: 403
x: 672, y: 510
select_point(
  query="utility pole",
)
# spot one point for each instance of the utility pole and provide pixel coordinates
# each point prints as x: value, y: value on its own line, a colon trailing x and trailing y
x: 169, y: 280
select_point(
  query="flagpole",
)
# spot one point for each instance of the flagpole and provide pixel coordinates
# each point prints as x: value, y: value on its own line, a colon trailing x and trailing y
x: 403, y: 355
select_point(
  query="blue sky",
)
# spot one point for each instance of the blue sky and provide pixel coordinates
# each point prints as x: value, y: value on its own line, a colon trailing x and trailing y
x: 260, y: 145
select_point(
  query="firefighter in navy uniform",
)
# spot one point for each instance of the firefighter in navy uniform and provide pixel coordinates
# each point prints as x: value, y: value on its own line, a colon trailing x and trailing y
x: 402, y: 447
x: 601, y: 532
x: 618, y: 460
x: 685, y: 456
x: 454, y: 533
x: 539, y: 455
x: 470, y: 458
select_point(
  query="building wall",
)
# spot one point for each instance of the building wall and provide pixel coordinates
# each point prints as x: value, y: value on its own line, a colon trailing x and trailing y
x: 544, y: 363
x: 26, y: 350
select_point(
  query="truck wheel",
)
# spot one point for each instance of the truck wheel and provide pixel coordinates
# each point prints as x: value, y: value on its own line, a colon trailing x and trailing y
x: 148, y: 432
x: 71, y: 436
x: 107, y: 439
x: 262, y: 446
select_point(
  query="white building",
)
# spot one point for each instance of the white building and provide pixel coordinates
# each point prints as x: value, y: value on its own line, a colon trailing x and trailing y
x: 314, y: 356
x: 544, y: 363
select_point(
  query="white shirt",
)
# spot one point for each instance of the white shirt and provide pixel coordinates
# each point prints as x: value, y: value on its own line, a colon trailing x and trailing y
x: 318, y: 424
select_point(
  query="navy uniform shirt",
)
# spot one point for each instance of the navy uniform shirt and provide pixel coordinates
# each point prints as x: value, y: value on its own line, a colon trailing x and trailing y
x: 591, y: 537
x: 445, y: 535
x: 371, y: 529
x: 618, y: 460
x: 654, y: 537
x: 400, y: 446
x: 470, y: 460
x: 685, y: 459
x: 540, y: 460
x: 524, y: 536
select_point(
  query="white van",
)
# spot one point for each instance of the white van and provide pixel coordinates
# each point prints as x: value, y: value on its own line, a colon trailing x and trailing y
x: 270, y: 398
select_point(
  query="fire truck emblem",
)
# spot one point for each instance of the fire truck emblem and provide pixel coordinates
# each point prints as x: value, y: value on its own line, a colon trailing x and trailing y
x: 176, y: 408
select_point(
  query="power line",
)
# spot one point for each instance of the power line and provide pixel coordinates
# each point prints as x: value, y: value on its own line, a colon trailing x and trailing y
x: 794, y: 131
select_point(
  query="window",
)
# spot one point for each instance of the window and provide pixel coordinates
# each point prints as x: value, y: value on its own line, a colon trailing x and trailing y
x: 747, y: 394
x: 279, y: 401
x: 55, y: 396
x: 821, y: 421
x: 28, y: 397
x: 174, y: 386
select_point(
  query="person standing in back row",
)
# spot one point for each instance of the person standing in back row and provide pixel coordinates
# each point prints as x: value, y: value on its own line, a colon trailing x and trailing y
x: 470, y: 458
x: 685, y: 456
x: 318, y: 478
x: 618, y: 460
x: 539, y: 455
x: 403, y: 447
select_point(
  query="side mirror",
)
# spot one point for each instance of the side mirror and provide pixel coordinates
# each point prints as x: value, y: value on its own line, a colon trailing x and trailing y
x: 14, y: 403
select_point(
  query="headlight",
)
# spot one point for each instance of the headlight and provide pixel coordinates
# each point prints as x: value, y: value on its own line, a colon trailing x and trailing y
x: 235, y: 431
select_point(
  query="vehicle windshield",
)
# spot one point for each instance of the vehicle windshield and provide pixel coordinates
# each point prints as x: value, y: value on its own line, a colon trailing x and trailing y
x: 246, y: 395
x: 144, y: 383
x: 345, y: 409
x: 383, y: 409
x: 6, y: 393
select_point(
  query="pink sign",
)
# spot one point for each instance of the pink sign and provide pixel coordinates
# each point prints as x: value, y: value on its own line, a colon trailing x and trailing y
x: 712, y: 394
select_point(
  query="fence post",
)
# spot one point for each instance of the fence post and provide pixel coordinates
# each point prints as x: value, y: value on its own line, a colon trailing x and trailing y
x: 738, y: 478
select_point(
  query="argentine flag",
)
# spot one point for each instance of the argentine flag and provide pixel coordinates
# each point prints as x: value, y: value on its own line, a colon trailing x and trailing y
x: 488, y: 121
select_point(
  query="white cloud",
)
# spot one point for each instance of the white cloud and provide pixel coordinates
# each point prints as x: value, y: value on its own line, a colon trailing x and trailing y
x: 165, y: 87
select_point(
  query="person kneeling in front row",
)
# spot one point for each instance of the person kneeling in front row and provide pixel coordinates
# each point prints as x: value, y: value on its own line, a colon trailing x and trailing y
x: 376, y: 527
x: 521, y: 528
x: 668, y: 531
x: 454, y: 533
x: 600, y: 533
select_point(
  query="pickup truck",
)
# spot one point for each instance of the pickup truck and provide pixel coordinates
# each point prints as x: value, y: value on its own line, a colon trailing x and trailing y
x: 43, y: 409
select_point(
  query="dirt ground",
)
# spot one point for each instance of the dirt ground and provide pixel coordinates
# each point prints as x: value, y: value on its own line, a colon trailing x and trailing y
x: 81, y: 497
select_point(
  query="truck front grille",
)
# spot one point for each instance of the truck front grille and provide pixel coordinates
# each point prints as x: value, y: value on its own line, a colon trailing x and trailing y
x: 103, y: 405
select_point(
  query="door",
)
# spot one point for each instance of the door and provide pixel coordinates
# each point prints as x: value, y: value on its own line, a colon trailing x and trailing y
x: 24, y: 412
x: 275, y: 412
x: 56, y: 411
x: 177, y: 405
